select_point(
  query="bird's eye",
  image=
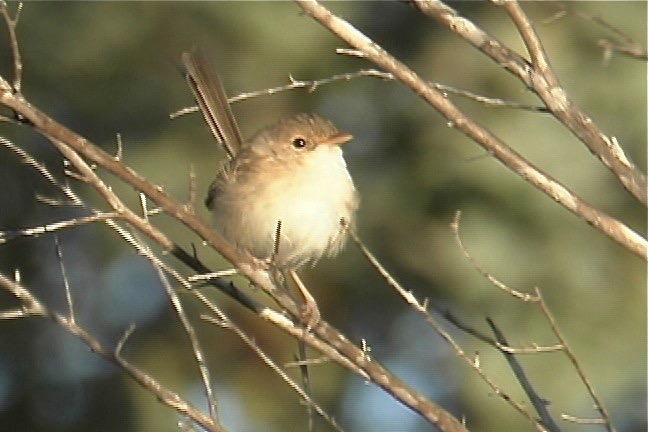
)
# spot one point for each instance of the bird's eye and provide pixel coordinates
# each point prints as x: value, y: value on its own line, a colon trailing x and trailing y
x: 299, y: 142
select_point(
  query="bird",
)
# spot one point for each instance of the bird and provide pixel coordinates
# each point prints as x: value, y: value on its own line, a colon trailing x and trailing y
x: 287, y: 194
x: 284, y: 196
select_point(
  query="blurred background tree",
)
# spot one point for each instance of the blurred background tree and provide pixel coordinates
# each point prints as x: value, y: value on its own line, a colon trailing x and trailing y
x: 108, y: 68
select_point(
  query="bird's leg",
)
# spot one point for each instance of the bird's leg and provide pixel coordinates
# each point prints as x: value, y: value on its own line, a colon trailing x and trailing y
x: 310, y: 311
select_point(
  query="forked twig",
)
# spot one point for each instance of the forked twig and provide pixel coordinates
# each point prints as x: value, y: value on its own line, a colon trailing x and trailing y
x: 598, y: 402
x: 629, y: 47
x: 562, y: 345
x: 223, y: 321
x: 163, y: 394
x: 421, y: 308
x: 196, y: 347
x: 538, y: 403
x: 11, y: 23
x: 560, y: 105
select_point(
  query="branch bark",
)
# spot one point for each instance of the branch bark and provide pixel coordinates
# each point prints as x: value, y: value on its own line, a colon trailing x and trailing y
x: 609, y: 226
x: 349, y: 355
x: 540, y: 78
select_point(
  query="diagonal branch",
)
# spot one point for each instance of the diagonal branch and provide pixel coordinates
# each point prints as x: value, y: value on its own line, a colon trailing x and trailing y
x: 341, y: 349
x: 163, y: 394
x: 611, y: 227
x: 539, y: 78
x: 538, y: 402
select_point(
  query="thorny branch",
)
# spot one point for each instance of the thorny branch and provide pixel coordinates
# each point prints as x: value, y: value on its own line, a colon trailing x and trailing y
x: 312, y: 85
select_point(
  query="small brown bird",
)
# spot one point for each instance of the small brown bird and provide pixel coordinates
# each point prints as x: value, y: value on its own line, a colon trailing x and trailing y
x: 286, y: 192
x: 285, y: 195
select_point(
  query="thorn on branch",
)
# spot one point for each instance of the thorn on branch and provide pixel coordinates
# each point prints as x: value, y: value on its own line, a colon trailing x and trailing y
x: 122, y: 340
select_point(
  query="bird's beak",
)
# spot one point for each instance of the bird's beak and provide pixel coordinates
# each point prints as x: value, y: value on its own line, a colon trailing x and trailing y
x: 337, y: 139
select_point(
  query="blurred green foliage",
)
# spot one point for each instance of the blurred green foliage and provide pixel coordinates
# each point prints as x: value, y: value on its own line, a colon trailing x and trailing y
x: 103, y: 68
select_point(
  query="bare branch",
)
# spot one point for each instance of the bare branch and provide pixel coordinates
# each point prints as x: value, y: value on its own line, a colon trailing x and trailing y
x: 223, y: 321
x: 539, y: 403
x: 421, y: 308
x: 163, y: 394
x: 195, y: 343
x: 11, y: 24
x: 543, y: 83
x: 611, y: 227
x: 598, y: 402
x: 492, y: 279
x: 550, y: 91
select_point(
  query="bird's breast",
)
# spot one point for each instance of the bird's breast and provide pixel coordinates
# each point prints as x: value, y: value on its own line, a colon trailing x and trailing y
x: 304, y: 202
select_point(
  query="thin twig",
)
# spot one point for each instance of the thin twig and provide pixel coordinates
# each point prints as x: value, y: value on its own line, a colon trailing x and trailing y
x: 29, y: 160
x: 629, y: 47
x: 163, y: 394
x: 66, y: 283
x: 539, y: 403
x: 421, y: 308
x: 11, y: 24
x: 581, y: 420
x: 6, y: 236
x: 120, y: 148
x: 193, y: 339
x: 15, y: 288
x: 309, y: 85
x: 598, y: 402
x: 302, y: 359
x: 489, y: 101
x: 312, y: 85
x: 526, y: 297
x: 193, y: 190
x: 223, y: 321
